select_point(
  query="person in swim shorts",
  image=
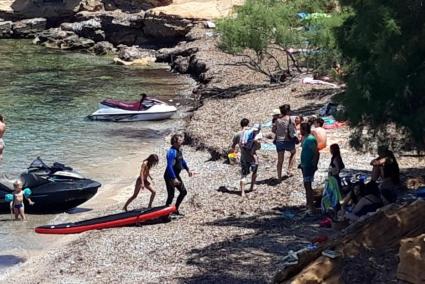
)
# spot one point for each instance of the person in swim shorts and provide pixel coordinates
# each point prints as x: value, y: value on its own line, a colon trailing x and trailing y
x: 17, y: 205
x: 285, y: 135
x: 309, y: 160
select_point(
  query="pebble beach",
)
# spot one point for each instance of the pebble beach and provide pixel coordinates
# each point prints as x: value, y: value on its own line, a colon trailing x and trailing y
x: 223, y: 238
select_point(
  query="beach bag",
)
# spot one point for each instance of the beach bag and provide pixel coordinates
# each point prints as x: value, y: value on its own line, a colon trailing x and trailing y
x: 331, y: 195
x: 291, y: 132
x: 247, y: 139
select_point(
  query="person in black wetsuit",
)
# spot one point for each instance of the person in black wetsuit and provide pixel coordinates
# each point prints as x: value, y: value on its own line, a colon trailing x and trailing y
x: 175, y: 164
x: 142, y: 100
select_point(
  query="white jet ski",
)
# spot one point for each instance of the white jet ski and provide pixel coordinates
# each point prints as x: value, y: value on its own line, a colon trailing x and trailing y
x: 148, y: 109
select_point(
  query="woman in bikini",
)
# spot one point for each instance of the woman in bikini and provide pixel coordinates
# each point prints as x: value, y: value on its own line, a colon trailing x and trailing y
x: 142, y: 181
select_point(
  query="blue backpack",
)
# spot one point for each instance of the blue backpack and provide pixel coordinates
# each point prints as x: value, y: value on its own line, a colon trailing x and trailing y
x: 247, y: 139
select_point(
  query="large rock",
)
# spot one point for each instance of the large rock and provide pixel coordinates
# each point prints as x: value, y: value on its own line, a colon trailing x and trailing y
x: 28, y: 27
x: 119, y: 27
x: 134, y: 5
x: 411, y: 268
x: 133, y: 52
x: 91, y: 29
x: 6, y: 28
x: 181, y: 64
x: 91, y: 5
x: 102, y: 48
x: 168, y: 54
x: 40, y: 8
x: 58, y: 38
x: 166, y: 28
x: 75, y: 42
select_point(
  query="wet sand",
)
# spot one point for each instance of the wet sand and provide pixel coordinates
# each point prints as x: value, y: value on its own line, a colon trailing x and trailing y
x: 19, y: 241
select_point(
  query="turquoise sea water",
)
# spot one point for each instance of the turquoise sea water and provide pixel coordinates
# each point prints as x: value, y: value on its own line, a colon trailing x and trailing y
x: 45, y: 96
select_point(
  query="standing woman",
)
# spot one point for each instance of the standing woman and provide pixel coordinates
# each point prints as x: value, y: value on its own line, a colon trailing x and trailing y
x: 142, y: 181
x: 285, y: 135
x: 336, y: 165
x: 175, y: 164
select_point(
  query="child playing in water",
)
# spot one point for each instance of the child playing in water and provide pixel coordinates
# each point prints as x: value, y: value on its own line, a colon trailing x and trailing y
x: 142, y: 181
x: 17, y: 205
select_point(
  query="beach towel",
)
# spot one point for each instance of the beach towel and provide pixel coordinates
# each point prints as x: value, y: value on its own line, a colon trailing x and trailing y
x: 331, y: 195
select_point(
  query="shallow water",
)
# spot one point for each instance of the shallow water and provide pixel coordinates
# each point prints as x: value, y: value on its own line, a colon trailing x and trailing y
x: 45, y: 96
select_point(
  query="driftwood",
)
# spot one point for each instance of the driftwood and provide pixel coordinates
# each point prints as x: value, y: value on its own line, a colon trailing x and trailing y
x: 384, y: 229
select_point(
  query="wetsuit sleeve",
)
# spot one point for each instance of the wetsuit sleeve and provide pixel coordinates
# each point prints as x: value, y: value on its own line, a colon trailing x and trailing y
x: 171, y: 156
x: 184, y: 164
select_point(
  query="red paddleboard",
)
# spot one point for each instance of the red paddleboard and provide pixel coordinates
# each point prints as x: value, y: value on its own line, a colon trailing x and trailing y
x: 109, y: 221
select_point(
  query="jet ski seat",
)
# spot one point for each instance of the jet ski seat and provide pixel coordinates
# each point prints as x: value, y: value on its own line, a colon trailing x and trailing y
x: 32, y: 180
x: 127, y: 105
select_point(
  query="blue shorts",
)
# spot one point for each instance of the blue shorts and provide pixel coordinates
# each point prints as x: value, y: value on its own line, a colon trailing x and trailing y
x: 308, y: 174
x: 19, y: 206
x: 247, y: 168
x: 282, y: 146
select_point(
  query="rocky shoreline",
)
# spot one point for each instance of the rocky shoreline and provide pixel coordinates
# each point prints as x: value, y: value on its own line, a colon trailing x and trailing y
x: 223, y: 238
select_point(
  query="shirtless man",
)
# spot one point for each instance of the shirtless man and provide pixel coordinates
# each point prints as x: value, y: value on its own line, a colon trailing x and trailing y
x: 2, y: 130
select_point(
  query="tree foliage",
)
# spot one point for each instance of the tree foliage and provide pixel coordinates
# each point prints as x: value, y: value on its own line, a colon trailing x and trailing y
x: 273, y: 29
x: 384, y: 42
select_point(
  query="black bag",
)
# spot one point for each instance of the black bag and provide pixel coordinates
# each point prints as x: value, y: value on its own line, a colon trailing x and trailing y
x: 295, y: 138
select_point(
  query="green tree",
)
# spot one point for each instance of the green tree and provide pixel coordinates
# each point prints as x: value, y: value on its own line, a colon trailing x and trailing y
x: 384, y: 42
x: 265, y: 34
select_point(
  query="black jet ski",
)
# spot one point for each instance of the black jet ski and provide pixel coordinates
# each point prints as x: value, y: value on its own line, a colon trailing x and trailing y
x: 53, y: 189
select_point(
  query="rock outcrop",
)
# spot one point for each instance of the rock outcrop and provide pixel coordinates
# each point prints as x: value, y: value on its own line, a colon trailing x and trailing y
x: 167, y: 28
x: 22, y: 29
x: 412, y: 260
x: 184, y: 61
x: 119, y: 27
x: 133, y: 6
x: 6, y: 29
x: 57, y: 38
x: 24, y: 9
x: 29, y: 27
x: 102, y: 48
x: 130, y: 53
